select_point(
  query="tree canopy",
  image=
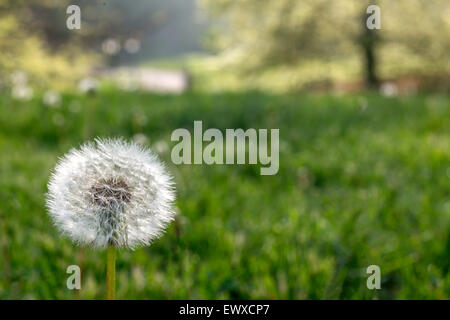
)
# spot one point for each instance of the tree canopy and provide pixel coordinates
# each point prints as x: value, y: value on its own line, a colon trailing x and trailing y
x: 261, y: 34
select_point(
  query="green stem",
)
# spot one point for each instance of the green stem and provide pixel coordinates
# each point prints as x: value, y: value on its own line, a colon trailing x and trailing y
x: 110, y: 272
x: 81, y: 257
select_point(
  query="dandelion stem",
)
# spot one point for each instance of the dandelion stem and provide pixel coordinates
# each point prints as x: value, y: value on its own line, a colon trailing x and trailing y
x: 5, y: 251
x: 110, y: 272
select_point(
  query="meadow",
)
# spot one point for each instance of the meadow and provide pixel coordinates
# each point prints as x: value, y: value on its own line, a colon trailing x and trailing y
x: 363, y: 180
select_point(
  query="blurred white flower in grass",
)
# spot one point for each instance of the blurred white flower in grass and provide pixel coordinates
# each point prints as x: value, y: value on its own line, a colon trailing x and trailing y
x: 132, y: 45
x: 19, y: 78
x: 111, y: 192
x: 161, y: 146
x: 141, y: 139
x: 22, y: 92
x: 111, y: 46
x: 388, y: 89
x: 88, y: 85
x: 52, y: 99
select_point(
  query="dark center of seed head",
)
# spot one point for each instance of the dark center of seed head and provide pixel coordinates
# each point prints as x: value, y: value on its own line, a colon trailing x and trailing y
x: 111, y: 192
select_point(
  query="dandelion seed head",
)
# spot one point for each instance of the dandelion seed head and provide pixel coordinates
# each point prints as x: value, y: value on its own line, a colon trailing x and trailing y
x: 111, y: 192
x: 132, y: 45
x: 388, y: 89
x: 161, y: 146
x: 52, y: 98
x: 111, y: 46
x: 22, y: 92
x: 88, y: 85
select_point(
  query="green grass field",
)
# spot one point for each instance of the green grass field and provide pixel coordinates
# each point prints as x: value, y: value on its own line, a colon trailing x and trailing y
x: 363, y: 180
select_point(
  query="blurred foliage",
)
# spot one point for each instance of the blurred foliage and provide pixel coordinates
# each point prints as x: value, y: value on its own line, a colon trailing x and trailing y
x: 34, y: 37
x: 283, y: 37
x: 363, y: 180
x: 22, y: 49
x: 212, y: 73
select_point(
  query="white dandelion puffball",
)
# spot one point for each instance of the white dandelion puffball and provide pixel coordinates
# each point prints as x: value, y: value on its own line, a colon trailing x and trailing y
x: 22, y: 93
x: 88, y: 85
x: 111, y: 46
x: 52, y: 98
x: 132, y: 45
x: 19, y: 78
x: 111, y: 192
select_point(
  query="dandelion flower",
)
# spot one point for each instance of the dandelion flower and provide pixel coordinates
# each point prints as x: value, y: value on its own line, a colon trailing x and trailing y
x: 111, y: 193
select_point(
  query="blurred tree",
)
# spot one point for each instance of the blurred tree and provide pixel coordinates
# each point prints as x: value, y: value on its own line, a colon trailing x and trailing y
x: 100, y: 20
x: 23, y: 50
x: 34, y: 36
x: 260, y: 34
x: 368, y: 41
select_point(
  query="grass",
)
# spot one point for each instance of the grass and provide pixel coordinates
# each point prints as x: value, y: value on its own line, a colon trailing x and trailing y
x: 363, y: 180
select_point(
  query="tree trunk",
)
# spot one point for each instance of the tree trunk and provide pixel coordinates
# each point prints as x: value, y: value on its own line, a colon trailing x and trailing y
x: 370, y: 59
x: 369, y: 41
